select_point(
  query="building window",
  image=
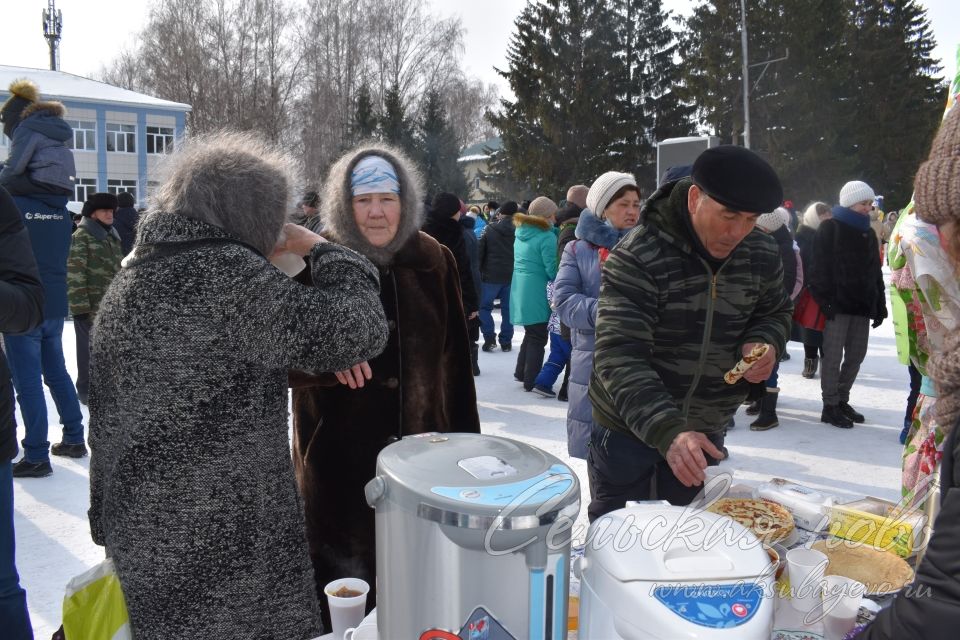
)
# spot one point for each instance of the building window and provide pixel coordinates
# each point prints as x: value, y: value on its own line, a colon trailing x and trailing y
x: 159, y: 139
x: 83, y: 188
x: 84, y: 135
x: 121, y: 137
x: 119, y: 186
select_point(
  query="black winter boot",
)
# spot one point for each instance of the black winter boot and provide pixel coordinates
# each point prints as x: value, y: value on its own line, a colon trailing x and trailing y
x: 474, y: 351
x: 768, y: 411
x: 833, y: 415
x: 810, y: 367
x: 851, y: 413
x: 754, y: 408
x: 489, y: 345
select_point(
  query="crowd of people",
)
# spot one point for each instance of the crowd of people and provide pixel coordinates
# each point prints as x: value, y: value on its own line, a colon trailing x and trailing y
x: 189, y: 338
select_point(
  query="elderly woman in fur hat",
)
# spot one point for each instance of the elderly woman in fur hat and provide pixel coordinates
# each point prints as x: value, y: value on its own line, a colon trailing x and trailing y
x: 929, y: 608
x: 423, y: 380
x: 192, y: 489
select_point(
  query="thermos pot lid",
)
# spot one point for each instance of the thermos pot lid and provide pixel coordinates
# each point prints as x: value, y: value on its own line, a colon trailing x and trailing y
x: 476, y: 481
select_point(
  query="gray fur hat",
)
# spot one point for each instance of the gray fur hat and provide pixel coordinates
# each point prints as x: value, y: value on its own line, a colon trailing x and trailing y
x: 336, y: 208
x: 235, y: 181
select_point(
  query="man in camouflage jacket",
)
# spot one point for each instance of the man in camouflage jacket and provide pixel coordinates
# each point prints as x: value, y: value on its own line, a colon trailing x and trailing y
x: 683, y: 297
x: 95, y: 254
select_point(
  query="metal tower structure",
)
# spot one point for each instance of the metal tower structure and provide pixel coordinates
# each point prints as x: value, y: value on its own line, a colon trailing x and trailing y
x: 52, y: 26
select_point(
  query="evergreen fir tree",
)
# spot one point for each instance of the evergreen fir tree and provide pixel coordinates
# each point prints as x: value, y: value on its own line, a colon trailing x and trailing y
x: 652, y: 109
x: 562, y: 127
x: 897, y: 113
x: 395, y: 127
x: 439, y: 151
x: 364, y: 123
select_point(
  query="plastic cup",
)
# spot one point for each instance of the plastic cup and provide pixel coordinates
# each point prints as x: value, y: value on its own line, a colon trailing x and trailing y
x: 841, y: 602
x: 346, y: 612
x: 805, y: 568
x: 366, y: 632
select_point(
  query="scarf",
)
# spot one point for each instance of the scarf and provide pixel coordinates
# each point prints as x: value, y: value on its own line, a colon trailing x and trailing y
x: 851, y: 218
x: 944, y: 368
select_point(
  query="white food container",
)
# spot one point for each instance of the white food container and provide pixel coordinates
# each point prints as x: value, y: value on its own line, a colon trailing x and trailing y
x: 652, y: 572
x: 810, y: 508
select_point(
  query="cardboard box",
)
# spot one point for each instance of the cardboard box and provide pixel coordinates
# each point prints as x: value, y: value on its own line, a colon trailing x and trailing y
x: 872, y: 521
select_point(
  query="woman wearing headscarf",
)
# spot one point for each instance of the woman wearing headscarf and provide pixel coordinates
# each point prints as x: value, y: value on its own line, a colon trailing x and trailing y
x: 422, y: 382
x: 615, y: 198
x: 192, y: 490
x: 930, y: 607
x: 816, y: 213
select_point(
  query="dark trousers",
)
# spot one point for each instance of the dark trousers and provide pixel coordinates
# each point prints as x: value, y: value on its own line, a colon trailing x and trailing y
x: 83, y: 326
x: 845, y: 340
x: 621, y: 467
x: 916, y: 379
x: 530, y: 358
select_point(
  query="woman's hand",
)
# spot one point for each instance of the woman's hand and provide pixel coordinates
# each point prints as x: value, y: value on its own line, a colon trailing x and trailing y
x: 355, y: 375
x: 296, y: 240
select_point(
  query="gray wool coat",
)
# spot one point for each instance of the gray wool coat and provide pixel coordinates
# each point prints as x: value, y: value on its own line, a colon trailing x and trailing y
x: 191, y: 480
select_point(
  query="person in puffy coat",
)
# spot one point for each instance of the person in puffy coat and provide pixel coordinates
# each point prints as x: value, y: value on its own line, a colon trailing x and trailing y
x: 617, y: 198
x: 39, y: 160
x: 534, y: 265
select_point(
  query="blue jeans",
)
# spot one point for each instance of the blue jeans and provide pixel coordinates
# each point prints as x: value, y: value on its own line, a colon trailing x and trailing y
x: 556, y: 361
x: 489, y: 293
x: 36, y: 358
x: 774, y: 376
x: 13, y: 599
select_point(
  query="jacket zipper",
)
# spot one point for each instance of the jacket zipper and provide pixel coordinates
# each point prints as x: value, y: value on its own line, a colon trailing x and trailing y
x: 707, y: 331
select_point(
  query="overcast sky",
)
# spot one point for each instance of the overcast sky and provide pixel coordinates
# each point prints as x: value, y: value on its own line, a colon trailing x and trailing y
x: 94, y: 31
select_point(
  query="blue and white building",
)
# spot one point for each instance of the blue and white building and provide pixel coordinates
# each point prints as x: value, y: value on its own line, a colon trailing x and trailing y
x: 119, y: 136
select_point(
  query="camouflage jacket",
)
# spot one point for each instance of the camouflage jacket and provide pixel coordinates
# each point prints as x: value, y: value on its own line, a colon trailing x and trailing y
x: 94, y: 259
x: 669, y: 327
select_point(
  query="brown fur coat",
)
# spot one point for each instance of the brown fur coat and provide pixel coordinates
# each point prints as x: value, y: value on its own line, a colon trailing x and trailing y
x: 423, y: 381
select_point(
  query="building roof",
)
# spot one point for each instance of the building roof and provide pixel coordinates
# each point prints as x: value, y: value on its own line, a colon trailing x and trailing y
x: 480, y: 150
x: 60, y: 85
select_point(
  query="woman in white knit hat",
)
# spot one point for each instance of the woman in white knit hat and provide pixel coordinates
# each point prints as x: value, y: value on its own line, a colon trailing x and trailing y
x: 846, y: 281
x: 613, y: 209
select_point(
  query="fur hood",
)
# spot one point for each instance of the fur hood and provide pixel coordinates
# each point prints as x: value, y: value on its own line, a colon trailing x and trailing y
x: 336, y: 210
x: 49, y: 107
x: 521, y: 219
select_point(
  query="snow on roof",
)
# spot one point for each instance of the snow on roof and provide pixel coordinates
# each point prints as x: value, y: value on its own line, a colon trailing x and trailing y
x: 480, y: 150
x: 60, y: 85
x: 473, y: 158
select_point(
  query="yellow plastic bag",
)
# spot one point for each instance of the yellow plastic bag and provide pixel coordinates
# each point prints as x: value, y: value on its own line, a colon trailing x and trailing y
x: 94, y: 608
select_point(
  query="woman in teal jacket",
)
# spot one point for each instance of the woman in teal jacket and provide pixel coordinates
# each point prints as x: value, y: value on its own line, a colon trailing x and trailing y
x: 534, y: 265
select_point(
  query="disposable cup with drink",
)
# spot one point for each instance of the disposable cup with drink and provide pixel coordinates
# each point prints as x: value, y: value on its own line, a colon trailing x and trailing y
x: 347, y: 599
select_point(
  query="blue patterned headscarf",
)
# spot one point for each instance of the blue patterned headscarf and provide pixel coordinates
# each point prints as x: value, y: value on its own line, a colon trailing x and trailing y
x: 374, y: 174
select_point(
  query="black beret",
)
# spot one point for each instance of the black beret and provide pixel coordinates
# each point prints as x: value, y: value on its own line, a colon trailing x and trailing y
x: 99, y: 201
x: 508, y: 208
x: 738, y: 178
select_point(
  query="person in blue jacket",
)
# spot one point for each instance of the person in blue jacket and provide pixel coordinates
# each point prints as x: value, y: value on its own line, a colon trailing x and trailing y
x: 38, y: 175
x: 39, y: 160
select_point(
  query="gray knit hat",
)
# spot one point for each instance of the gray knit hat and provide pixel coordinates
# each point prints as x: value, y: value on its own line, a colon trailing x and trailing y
x: 937, y: 186
x: 603, y: 189
x: 543, y: 207
x: 854, y: 192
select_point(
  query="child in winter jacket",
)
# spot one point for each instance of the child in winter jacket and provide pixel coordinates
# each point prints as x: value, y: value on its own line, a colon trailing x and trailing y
x: 39, y: 161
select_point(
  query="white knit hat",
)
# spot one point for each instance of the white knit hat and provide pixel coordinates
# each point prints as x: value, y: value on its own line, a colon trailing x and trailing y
x: 854, y: 192
x: 772, y: 221
x: 603, y: 188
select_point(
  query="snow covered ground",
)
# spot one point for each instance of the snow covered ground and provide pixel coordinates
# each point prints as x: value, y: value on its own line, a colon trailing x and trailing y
x: 53, y: 537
